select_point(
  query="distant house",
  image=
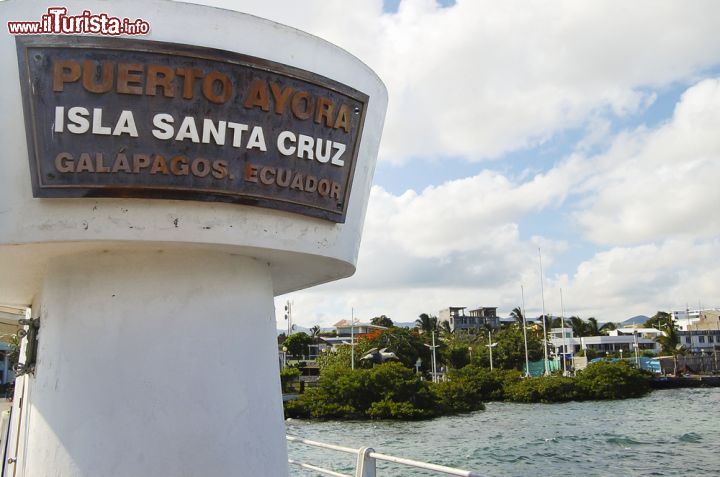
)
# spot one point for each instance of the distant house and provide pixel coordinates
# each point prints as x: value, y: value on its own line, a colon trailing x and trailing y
x: 703, y: 334
x: 649, y: 333
x: 344, y: 330
x: 687, y: 319
x: 623, y: 339
x: 473, y: 322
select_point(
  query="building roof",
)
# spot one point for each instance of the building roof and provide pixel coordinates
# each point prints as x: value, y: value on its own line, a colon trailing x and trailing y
x: 630, y: 331
x: 613, y: 339
x: 347, y: 324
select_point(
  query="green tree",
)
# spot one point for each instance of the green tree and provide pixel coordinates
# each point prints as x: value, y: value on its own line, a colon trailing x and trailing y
x: 546, y: 389
x: 456, y: 355
x: 426, y: 323
x: 518, y: 315
x: 606, y: 380
x: 465, y: 390
x: 593, y: 328
x: 608, y: 327
x: 659, y: 320
x: 669, y: 341
x: 382, y: 320
x: 297, y: 344
x: 387, y: 391
x: 339, y: 357
x: 578, y: 326
x: 288, y: 376
x: 405, y: 343
x: 548, y: 320
x: 510, y: 350
x: 445, y: 332
x: 475, y: 385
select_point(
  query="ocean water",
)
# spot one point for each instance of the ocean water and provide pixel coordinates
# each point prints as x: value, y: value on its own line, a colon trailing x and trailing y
x: 668, y: 433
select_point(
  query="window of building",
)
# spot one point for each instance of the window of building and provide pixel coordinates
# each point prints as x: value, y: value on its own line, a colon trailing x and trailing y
x: 701, y: 339
x: 711, y: 339
x: 687, y: 339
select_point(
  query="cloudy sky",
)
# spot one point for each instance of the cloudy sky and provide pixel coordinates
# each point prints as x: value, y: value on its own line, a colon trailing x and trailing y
x: 590, y: 130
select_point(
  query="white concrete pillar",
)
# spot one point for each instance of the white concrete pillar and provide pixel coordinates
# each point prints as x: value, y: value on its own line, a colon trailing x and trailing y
x: 149, y: 365
x: 157, y: 352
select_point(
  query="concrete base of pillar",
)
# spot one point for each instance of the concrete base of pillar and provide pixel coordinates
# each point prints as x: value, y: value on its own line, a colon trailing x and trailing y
x: 155, y: 363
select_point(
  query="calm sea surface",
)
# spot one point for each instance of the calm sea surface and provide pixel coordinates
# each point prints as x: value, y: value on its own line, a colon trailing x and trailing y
x: 671, y: 432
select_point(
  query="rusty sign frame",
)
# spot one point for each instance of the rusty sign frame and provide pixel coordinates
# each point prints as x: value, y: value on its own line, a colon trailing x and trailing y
x: 25, y: 45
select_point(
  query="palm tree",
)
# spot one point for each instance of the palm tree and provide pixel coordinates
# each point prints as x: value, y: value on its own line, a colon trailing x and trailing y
x: 382, y: 320
x: 608, y: 327
x: 518, y: 315
x: 445, y: 330
x: 426, y: 323
x: 578, y: 326
x: 670, y: 342
x: 548, y: 319
x: 592, y: 327
x: 315, y: 331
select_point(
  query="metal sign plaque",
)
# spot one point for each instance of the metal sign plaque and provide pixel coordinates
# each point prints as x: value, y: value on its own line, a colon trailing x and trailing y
x: 109, y: 117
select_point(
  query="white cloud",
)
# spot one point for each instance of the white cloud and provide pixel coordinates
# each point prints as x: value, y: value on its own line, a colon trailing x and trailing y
x: 453, y: 244
x: 459, y: 243
x: 625, y: 281
x: 484, y: 77
x: 655, y: 184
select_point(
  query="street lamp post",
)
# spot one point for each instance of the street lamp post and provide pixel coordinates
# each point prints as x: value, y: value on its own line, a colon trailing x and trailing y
x: 490, y: 346
x: 527, y: 359
x: 434, y: 362
x: 284, y: 350
x: 564, y: 336
x: 637, y: 345
x: 542, y: 294
x: 470, y: 351
x: 352, y: 338
x: 435, y: 378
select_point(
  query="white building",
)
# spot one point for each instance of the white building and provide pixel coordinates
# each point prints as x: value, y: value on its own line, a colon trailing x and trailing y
x: 649, y: 333
x: 685, y: 319
x: 475, y: 321
x: 345, y: 328
x: 700, y: 341
x: 703, y: 335
x: 561, y: 338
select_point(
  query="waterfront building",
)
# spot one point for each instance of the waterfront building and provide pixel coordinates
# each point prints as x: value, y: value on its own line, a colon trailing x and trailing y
x: 343, y: 328
x: 617, y: 341
x: 703, y: 335
x: 472, y: 322
x: 686, y: 319
x: 648, y: 333
x: 344, y: 331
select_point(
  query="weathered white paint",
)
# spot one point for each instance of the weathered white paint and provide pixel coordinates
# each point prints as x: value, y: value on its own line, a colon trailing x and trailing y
x: 302, y: 251
x: 157, y: 351
x: 150, y: 365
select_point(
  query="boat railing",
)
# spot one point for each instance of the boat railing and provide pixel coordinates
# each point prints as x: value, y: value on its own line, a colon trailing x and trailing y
x: 366, y: 461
